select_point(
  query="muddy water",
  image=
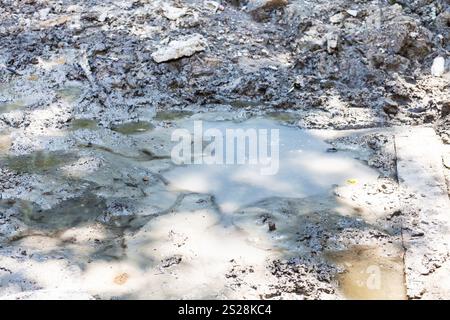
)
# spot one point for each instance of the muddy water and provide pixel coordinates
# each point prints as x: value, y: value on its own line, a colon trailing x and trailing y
x: 369, y: 274
x: 12, y: 106
x: 187, y: 211
x: 38, y: 162
x: 133, y: 127
x: 305, y: 168
x: 70, y: 93
x: 67, y: 214
x: 5, y: 143
x: 170, y: 116
x: 77, y: 124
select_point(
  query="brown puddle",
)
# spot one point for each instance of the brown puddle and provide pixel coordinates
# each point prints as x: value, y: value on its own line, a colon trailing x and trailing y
x: 5, y: 143
x: 369, y: 275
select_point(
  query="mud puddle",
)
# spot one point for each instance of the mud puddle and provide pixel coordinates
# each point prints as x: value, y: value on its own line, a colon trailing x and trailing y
x: 130, y: 128
x: 38, y: 162
x: 303, y: 168
x: 164, y: 229
x: 12, y: 106
x: 67, y: 214
x: 78, y: 124
x: 369, y: 275
x: 5, y: 143
x: 70, y: 93
x: 172, y: 115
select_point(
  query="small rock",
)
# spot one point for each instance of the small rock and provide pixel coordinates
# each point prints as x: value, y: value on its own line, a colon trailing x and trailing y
x: 272, y: 226
x: 43, y: 13
x: 173, y: 13
x: 74, y: 8
x: 332, y: 150
x: 390, y: 107
x: 353, y: 13
x: 332, y: 42
x: 417, y: 234
x: 445, y: 111
x: 438, y: 67
x: 253, y: 5
x: 260, y: 9
x: 337, y: 18
x: 176, y: 49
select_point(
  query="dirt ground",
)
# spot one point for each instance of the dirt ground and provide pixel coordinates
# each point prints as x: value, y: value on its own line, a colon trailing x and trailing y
x: 90, y: 91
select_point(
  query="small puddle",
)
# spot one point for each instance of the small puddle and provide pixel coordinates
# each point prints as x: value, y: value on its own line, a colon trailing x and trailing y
x: 69, y: 213
x: 70, y: 93
x: 78, y: 124
x: 369, y: 275
x: 38, y: 162
x: 284, y: 117
x: 5, y: 143
x: 130, y: 128
x: 172, y: 115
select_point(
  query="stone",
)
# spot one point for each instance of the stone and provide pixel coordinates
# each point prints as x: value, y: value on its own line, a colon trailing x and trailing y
x: 337, y: 18
x: 332, y: 42
x: 438, y: 67
x: 260, y: 9
x: 176, y: 49
x: 390, y: 106
x: 43, y: 13
x: 272, y: 226
x: 173, y: 13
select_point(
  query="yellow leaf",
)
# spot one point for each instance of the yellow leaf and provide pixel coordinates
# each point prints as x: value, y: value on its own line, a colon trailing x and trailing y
x: 352, y: 181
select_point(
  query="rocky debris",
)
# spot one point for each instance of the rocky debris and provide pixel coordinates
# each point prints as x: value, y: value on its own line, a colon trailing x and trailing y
x: 171, y: 261
x: 306, y: 278
x: 176, y: 49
